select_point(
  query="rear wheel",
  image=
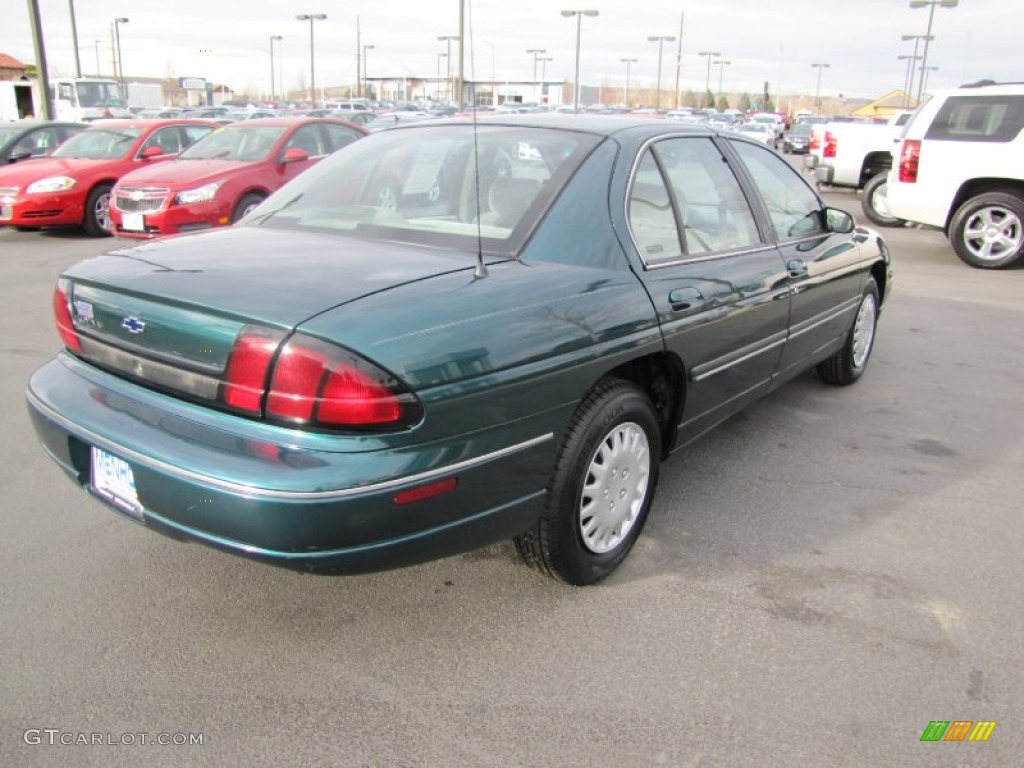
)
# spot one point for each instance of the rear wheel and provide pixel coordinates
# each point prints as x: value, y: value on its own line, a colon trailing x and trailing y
x: 245, y: 206
x: 96, y: 221
x: 875, y: 202
x: 986, y: 231
x: 601, y: 489
x: 847, y: 365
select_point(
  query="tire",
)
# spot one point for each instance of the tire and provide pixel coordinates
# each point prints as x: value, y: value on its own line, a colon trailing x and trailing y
x: 987, y: 232
x: 96, y: 219
x: 875, y: 202
x: 615, y: 426
x: 245, y: 206
x: 847, y: 365
x: 19, y: 228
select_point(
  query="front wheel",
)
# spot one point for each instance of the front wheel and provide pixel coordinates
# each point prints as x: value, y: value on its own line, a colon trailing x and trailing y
x: 875, y: 201
x: 986, y: 230
x: 847, y: 365
x: 96, y: 221
x: 246, y: 206
x: 601, y: 490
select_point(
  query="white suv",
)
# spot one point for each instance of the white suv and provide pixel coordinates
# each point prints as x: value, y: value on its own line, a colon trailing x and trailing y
x: 961, y: 168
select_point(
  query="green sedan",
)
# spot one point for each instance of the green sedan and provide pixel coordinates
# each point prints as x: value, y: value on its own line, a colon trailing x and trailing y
x: 453, y: 333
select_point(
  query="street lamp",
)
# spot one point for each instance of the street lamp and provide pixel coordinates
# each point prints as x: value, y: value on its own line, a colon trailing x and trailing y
x: 661, y: 42
x: 439, y: 57
x: 817, y: 92
x: 930, y: 4
x: 448, y: 39
x: 311, y: 17
x: 579, y: 14
x: 707, y: 79
x: 627, y: 62
x: 535, y: 51
x: 907, y: 77
x: 721, y: 68
x: 273, y: 96
x: 98, y: 57
x: 917, y: 39
x: 74, y: 38
x: 543, y: 72
x: 117, y: 40
x: 924, y: 76
x: 366, y: 77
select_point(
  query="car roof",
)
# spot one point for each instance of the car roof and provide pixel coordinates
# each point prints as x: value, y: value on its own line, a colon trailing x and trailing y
x: 147, y: 123
x: 603, y: 125
x: 286, y: 122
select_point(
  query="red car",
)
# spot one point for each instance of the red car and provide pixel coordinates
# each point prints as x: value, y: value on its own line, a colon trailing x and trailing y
x: 71, y: 187
x: 222, y: 177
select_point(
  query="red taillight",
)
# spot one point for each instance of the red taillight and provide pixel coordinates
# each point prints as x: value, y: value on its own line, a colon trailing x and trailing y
x: 815, y: 142
x: 245, y: 380
x: 910, y: 159
x: 320, y: 384
x: 830, y: 145
x: 62, y: 314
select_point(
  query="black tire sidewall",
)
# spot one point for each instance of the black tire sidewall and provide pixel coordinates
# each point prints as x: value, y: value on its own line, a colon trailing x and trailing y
x: 89, y: 222
x: 867, y: 202
x: 970, y: 208
x: 244, y: 203
x: 854, y: 373
x: 569, y: 556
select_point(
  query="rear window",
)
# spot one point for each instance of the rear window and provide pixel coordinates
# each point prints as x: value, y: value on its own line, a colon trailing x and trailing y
x: 978, y: 118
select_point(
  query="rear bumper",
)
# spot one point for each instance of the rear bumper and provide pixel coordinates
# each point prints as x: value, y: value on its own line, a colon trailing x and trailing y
x: 321, y: 503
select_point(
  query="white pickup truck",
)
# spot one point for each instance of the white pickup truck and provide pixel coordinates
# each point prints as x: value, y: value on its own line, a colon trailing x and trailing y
x: 858, y: 155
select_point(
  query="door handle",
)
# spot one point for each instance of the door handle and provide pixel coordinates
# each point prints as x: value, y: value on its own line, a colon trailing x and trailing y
x: 683, y: 299
x: 797, y: 268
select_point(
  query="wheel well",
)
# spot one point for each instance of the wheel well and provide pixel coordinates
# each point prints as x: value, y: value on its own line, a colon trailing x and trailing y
x: 878, y: 271
x: 874, y: 164
x: 975, y: 187
x: 662, y: 377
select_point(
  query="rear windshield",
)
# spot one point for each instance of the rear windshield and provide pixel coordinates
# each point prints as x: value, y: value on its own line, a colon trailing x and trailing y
x: 978, y: 118
x: 421, y: 185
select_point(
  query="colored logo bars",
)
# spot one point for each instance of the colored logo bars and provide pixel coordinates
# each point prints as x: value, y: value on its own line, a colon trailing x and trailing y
x: 958, y: 730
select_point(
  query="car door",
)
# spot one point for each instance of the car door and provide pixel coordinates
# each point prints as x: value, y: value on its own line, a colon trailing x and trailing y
x: 309, y: 139
x: 826, y: 270
x: 720, y: 292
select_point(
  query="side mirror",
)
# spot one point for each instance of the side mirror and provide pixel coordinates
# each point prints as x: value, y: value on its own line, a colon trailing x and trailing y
x: 152, y: 151
x: 294, y: 155
x: 838, y: 221
x: 19, y: 155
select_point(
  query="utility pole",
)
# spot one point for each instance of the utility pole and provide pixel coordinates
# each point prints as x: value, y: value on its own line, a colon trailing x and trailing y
x: 679, y: 59
x: 41, y: 70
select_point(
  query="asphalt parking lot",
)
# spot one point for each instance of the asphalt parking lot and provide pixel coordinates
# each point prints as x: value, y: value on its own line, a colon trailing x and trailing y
x: 821, y: 577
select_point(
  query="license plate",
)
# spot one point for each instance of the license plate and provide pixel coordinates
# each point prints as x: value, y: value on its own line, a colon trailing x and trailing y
x: 113, y: 480
x: 6, y: 211
x: 133, y: 222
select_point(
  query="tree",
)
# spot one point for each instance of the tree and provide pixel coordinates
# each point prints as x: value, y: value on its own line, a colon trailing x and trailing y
x: 744, y: 102
x: 723, y: 104
x: 709, y: 99
x: 690, y: 99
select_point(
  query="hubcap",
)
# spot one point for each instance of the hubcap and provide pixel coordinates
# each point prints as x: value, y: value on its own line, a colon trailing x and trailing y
x: 387, y: 199
x: 880, y: 200
x: 102, y: 211
x: 864, y: 330
x: 993, y: 233
x: 615, y: 487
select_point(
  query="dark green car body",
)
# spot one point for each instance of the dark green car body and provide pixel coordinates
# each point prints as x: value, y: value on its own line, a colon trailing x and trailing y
x: 497, y: 341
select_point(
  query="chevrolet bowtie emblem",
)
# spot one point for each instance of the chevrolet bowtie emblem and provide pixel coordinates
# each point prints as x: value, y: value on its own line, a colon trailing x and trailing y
x: 133, y: 325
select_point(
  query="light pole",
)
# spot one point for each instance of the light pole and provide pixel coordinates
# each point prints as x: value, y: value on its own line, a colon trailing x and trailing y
x: 98, y: 57
x: 273, y: 97
x: 660, y: 40
x: 117, y: 39
x: 366, y: 77
x: 543, y: 72
x: 74, y: 38
x: 439, y: 57
x: 908, y: 76
x: 917, y: 39
x: 817, y: 91
x: 930, y: 4
x: 628, y: 62
x: 535, y: 52
x: 448, y: 39
x: 924, y: 76
x: 721, y: 68
x: 707, y: 79
x: 311, y: 17
x: 579, y: 14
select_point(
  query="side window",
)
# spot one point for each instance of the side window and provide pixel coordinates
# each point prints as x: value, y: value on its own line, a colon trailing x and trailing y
x: 714, y: 210
x: 307, y: 138
x: 194, y: 133
x: 36, y: 143
x: 651, y: 216
x: 338, y: 136
x: 168, y: 139
x: 793, y: 207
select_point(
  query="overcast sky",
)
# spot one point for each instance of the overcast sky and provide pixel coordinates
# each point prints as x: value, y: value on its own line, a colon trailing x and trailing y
x: 229, y: 40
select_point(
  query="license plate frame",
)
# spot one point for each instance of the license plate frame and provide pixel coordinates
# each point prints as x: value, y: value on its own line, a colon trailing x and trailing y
x: 6, y: 212
x: 133, y: 222
x: 113, y: 480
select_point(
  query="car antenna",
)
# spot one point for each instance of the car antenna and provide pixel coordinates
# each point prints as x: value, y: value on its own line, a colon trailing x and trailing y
x: 481, y: 269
